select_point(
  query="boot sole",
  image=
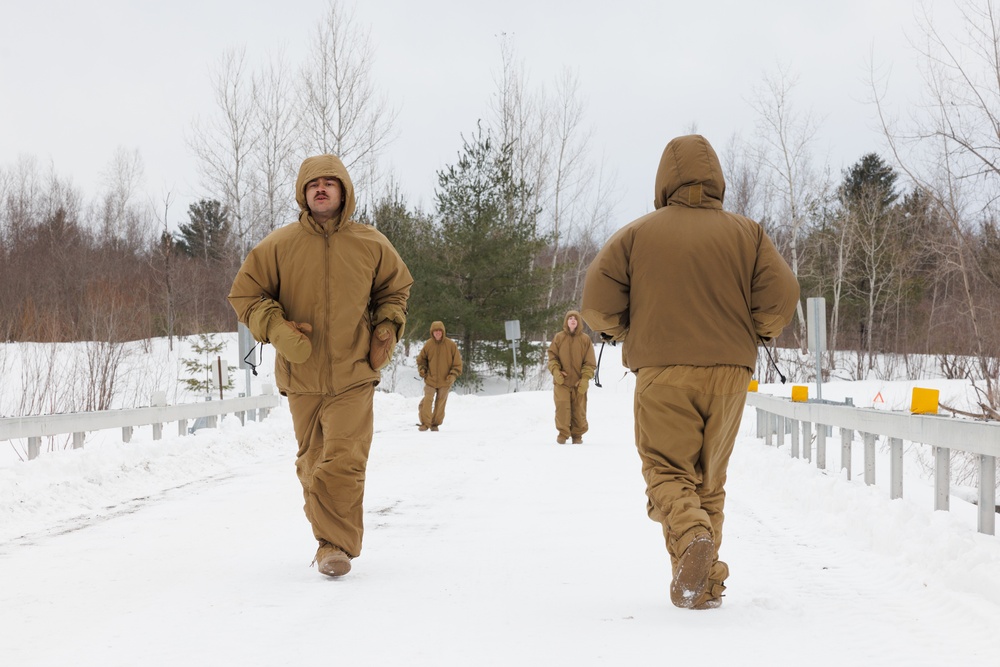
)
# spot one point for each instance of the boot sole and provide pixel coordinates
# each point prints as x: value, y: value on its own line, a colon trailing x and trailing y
x: 334, y: 567
x: 691, y: 578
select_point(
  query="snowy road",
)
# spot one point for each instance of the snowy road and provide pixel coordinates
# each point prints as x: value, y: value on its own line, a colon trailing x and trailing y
x: 487, y: 544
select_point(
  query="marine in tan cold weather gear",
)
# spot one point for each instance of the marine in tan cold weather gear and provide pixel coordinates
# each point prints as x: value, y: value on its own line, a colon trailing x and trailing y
x: 317, y: 289
x: 572, y: 364
x: 439, y: 363
x: 691, y: 289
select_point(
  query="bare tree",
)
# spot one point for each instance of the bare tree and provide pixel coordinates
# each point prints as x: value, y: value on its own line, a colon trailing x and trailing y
x: 121, y: 219
x: 950, y: 145
x: 745, y: 183
x: 522, y: 120
x: 786, y: 136
x: 341, y: 110
x: 277, y: 124
x: 224, y: 145
x: 570, y: 171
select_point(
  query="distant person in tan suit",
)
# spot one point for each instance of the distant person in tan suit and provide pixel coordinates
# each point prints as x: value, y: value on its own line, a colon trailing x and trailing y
x: 439, y: 364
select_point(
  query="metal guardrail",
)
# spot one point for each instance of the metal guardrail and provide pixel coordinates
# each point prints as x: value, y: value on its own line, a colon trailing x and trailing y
x: 778, y: 416
x: 35, y: 427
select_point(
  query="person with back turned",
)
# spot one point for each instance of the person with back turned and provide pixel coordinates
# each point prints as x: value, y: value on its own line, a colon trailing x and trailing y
x: 691, y: 290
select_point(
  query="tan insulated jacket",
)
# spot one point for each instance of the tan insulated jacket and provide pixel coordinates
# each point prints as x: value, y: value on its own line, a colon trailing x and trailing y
x: 439, y: 361
x: 689, y: 284
x: 343, y: 280
x: 572, y: 353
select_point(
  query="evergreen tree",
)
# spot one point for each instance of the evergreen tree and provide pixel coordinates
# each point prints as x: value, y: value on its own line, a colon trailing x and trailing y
x: 483, y: 270
x: 207, y: 235
x: 869, y: 182
x: 413, y: 235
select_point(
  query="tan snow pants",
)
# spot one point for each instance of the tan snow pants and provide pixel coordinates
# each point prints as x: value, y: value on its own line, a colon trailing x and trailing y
x: 436, y: 397
x: 571, y: 411
x: 334, y: 435
x: 686, y: 421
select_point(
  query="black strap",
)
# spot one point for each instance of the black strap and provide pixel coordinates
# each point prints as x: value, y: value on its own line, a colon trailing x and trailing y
x: 597, y: 372
x: 246, y: 360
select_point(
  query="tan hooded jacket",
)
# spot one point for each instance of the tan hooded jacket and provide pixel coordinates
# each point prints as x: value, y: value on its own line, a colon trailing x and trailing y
x: 342, y: 279
x: 572, y: 353
x: 689, y: 284
x: 439, y: 361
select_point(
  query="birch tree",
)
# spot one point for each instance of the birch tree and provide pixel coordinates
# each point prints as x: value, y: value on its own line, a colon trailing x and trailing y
x: 275, y: 159
x: 786, y: 136
x: 342, y: 113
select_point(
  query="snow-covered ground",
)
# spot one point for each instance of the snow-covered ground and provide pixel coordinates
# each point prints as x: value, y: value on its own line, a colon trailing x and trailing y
x: 486, y: 544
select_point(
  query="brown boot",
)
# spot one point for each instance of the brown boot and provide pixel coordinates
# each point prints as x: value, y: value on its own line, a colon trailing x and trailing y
x: 691, y: 577
x: 422, y: 427
x: 577, y: 439
x: 434, y: 428
x: 711, y: 598
x: 561, y: 439
x: 331, y: 560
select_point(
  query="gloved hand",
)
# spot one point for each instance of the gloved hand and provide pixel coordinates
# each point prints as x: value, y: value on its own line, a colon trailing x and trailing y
x: 584, y: 384
x: 382, y: 344
x: 422, y: 372
x: 289, y: 339
x: 558, y: 377
x: 451, y: 379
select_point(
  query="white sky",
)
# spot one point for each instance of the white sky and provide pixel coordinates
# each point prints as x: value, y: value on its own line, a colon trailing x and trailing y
x: 486, y: 544
x: 79, y: 79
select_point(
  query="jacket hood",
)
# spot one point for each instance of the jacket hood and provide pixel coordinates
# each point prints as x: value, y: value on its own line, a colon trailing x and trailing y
x: 320, y: 166
x: 579, y: 322
x: 438, y: 325
x: 689, y: 174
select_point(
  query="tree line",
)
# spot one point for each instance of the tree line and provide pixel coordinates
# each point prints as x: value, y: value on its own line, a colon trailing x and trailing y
x: 904, y: 243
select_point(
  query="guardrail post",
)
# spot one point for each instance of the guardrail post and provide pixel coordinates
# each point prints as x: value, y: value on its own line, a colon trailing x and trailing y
x: 126, y: 434
x: 768, y: 428
x: 869, y: 440
x: 779, y: 430
x: 846, y: 440
x: 182, y: 427
x: 761, y: 416
x: 807, y: 441
x: 895, y: 468
x: 821, y: 430
x: 159, y: 400
x: 34, y: 447
x: 942, y: 478
x: 987, y: 494
x: 78, y: 438
x: 795, y: 439
x: 265, y: 390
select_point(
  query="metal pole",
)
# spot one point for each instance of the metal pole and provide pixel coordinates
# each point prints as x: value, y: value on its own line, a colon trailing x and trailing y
x: 513, y: 347
x: 816, y: 303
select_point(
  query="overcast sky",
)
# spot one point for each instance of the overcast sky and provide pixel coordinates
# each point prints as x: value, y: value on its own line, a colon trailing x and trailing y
x: 80, y: 79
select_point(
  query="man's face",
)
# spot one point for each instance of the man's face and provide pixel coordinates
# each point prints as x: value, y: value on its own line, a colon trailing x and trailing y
x: 437, y: 334
x: 571, y: 323
x: 323, y: 197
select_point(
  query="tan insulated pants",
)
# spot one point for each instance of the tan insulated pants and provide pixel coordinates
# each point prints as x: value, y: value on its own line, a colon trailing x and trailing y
x: 686, y: 420
x: 334, y: 435
x: 436, y: 397
x: 571, y: 411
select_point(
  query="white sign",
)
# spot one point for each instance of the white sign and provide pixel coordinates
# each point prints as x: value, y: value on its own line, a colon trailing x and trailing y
x: 513, y: 329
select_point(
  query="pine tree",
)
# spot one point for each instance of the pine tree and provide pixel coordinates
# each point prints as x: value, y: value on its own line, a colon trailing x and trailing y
x: 207, y: 235
x: 485, y: 248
